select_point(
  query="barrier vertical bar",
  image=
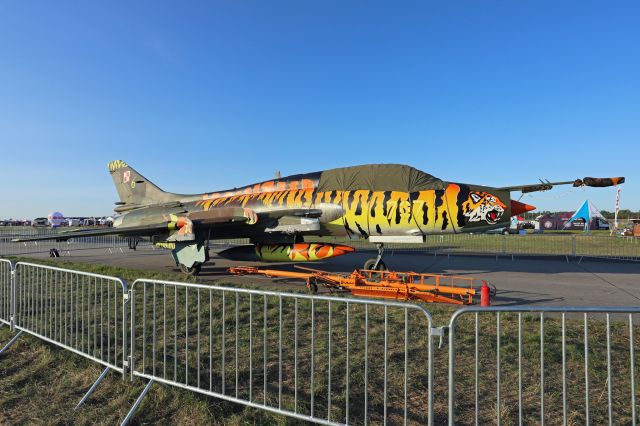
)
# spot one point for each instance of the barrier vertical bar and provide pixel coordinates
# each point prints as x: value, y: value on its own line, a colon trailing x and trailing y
x: 609, y: 396
x: 498, y: 368
x: 519, y: 368
x: 542, y: 368
x: 476, y: 368
x: 633, y: 371
x: 586, y: 369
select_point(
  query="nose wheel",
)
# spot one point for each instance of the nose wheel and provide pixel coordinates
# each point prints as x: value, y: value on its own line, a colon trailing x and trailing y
x: 376, y: 264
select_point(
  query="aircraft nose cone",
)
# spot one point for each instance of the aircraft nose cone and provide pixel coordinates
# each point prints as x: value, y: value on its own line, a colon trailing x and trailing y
x: 518, y: 208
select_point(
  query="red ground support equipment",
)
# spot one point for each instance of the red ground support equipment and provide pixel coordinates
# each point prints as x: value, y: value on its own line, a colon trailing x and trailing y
x: 381, y: 284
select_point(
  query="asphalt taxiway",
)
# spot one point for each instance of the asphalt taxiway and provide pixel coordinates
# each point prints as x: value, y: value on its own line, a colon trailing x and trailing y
x: 549, y: 281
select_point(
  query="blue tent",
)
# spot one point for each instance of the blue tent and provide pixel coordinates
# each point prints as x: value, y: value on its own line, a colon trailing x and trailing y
x: 587, y: 212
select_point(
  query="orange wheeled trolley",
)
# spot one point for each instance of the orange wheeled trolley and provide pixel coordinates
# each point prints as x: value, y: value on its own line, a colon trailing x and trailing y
x: 380, y: 284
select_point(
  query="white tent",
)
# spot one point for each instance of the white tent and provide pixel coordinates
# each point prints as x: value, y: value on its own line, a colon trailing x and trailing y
x: 587, y: 212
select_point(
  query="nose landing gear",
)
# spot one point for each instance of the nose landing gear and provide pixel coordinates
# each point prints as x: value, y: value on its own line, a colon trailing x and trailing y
x: 376, y: 264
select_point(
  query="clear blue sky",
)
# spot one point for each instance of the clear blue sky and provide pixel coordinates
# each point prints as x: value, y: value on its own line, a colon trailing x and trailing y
x: 204, y: 96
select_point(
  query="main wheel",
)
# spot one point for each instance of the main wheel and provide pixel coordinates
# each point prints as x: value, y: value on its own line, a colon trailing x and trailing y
x: 369, y: 264
x: 193, y: 271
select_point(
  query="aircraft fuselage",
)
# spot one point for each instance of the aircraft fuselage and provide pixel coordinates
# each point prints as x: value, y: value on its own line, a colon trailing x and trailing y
x: 358, y: 213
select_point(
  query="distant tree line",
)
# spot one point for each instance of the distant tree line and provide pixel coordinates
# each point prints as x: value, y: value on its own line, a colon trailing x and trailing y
x: 622, y: 214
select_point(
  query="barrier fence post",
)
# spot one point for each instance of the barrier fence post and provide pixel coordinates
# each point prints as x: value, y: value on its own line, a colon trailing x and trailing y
x: 7, y: 297
x: 132, y: 330
x: 125, y: 333
x: 452, y: 366
x: 13, y: 299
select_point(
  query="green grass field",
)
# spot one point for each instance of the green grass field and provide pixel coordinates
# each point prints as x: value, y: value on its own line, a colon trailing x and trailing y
x: 41, y: 383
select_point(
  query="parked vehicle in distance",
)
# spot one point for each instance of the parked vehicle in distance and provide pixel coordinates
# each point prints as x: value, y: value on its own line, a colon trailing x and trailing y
x: 40, y: 222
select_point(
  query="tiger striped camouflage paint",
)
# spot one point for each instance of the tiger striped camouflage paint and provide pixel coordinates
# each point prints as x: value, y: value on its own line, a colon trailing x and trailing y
x: 367, y: 212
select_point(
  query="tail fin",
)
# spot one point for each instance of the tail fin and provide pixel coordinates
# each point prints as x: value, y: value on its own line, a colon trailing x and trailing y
x: 134, y: 189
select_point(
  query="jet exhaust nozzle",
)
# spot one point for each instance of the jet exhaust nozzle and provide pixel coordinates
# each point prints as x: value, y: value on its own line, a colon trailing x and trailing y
x: 286, y: 252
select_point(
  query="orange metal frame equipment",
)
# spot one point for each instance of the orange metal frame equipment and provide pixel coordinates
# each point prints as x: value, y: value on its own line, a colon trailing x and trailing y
x: 380, y: 284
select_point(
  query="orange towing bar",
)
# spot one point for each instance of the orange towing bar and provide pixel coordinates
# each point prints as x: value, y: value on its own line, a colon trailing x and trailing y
x: 380, y: 284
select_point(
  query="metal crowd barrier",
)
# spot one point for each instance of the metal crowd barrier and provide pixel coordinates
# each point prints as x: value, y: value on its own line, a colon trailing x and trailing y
x: 6, y: 291
x: 9, y: 248
x: 623, y: 248
x: 82, y: 312
x: 332, y: 360
x: 328, y: 360
x: 573, y: 245
x: 539, y: 365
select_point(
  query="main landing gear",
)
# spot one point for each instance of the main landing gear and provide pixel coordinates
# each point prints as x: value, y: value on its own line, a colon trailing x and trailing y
x: 192, y: 271
x: 376, y: 264
x: 190, y: 257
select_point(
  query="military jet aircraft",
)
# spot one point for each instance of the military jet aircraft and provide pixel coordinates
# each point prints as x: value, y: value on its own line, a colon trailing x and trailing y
x: 382, y: 203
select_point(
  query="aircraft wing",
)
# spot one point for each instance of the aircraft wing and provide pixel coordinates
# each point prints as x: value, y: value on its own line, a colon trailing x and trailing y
x: 546, y: 185
x: 183, y: 225
x: 63, y: 236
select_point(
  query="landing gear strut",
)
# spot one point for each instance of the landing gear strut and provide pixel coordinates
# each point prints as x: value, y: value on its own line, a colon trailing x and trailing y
x: 376, y: 264
x: 132, y: 243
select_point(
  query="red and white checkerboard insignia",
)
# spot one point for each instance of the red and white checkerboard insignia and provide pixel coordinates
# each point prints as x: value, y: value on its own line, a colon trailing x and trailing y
x: 126, y: 176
